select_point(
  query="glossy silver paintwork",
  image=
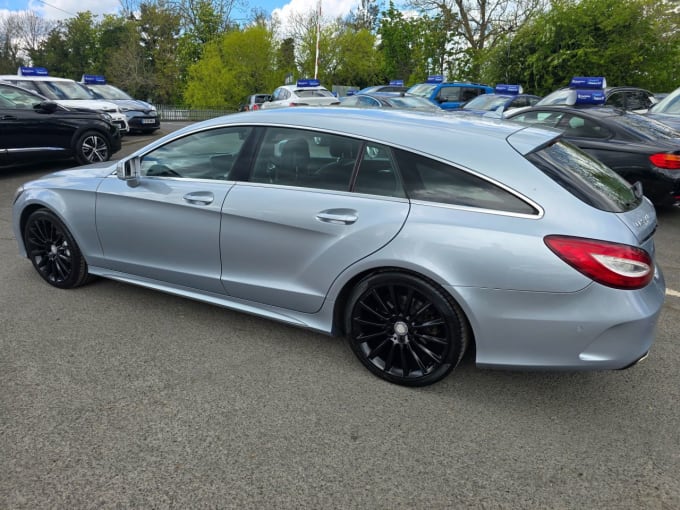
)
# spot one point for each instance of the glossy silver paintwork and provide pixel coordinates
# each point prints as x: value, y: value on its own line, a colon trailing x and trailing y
x: 289, y: 253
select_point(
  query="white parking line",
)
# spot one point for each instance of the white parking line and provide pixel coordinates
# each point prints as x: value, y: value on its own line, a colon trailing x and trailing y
x: 671, y: 292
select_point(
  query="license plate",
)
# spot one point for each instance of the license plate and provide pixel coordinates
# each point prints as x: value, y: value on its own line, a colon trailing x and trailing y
x: 148, y: 121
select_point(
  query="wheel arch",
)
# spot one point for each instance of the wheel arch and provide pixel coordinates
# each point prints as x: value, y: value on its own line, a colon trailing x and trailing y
x: 340, y: 305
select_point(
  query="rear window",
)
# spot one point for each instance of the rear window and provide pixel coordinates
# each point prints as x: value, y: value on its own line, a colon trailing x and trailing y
x: 585, y: 177
x: 647, y: 128
x: 313, y: 93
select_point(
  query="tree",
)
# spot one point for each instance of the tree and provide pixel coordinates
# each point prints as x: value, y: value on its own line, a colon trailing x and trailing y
x: 480, y: 24
x: 415, y: 47
x: 365, y: 16
x: 71, y: 48
x: 618, y: 39
x: 10, y: 59
x: 239, y: 63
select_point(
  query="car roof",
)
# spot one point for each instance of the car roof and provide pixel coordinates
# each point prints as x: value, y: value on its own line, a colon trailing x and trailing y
x: 475, y: 138
x: 32, y: 78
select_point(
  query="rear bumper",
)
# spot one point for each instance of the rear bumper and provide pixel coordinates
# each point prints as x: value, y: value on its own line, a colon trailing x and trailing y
x: 597, y: 328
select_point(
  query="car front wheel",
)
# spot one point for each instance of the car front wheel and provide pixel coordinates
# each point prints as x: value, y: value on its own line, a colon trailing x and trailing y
x: 404, y: 329
x: 53, y: 252
x: 92, y: 147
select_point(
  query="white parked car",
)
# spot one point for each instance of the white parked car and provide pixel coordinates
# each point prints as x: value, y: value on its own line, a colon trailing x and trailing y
x: 303, y: 93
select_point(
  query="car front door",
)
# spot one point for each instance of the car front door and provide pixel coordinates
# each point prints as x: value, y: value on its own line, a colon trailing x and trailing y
x: 295, y: 226
x: 167, y: 227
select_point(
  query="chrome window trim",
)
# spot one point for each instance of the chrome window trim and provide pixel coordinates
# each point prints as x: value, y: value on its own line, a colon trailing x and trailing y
x: 496, y: 212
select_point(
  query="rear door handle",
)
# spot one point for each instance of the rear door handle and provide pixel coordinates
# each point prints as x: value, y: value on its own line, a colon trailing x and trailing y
x: 199, y: 198
x: 338, y: 216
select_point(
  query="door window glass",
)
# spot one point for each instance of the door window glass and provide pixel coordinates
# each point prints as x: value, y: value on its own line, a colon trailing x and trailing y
x: 296, y: 157
x: 207, y: 154
x: 377, y: 173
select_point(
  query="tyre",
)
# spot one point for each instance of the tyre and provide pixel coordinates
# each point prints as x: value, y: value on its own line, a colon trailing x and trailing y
x: 53, y: 252
x: 404, y: 329
x: 92, y: 147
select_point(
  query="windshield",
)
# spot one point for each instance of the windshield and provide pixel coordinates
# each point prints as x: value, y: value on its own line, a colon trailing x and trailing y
x: 669, y: 104
x: 64, y: 90
x: 422, y: 89
x: 108, y: 92
x: 645, y: 127
x: 485, y: 102
x: 563, y: 96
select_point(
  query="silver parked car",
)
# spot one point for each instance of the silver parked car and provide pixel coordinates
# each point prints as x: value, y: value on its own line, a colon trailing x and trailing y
x: 417, y: 236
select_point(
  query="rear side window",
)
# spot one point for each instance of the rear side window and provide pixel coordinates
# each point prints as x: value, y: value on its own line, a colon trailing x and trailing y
x: 585, y: 177
x: 433, y: 181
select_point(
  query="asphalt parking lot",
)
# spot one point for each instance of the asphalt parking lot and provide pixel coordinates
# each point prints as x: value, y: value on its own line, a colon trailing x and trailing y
x: 114, y: 396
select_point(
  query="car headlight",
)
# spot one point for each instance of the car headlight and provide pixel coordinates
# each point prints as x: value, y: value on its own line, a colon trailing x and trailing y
x: 18, y: 193
x: 107, y: 116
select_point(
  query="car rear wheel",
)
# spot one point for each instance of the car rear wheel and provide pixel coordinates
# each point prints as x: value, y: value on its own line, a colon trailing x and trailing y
x: 53, y: 252
x: 92, y: 147
x: 404, y: 329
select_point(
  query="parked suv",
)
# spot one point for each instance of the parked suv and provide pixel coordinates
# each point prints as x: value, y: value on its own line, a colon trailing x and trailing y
x: 141, y: 116
x: 448, y: 95
x: 65, y: 92
x: 632, y: 99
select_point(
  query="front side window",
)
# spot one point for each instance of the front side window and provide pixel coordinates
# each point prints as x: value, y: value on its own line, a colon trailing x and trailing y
x: 209, y: 154
x: 433, y: 181
x: 447, y: 94
x: 19, y: 99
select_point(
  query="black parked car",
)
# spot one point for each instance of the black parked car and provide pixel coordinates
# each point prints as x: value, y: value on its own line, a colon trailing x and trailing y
x: 35, y: 128
x: 636, y: 147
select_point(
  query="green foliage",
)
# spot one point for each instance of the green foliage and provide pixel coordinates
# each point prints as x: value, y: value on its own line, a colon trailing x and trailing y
x: 236, y: 65
x: 618, y: 39
x: 70, y: 48
x: 357, y: 61
x: 189, y: 49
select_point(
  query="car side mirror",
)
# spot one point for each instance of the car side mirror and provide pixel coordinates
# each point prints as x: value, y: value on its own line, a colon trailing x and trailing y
x: 129, y: 170
x: 47, y: 106
x: 651, y: 107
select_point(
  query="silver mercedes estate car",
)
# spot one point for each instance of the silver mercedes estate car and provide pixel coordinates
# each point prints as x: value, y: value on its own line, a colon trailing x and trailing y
x: 417, y: 236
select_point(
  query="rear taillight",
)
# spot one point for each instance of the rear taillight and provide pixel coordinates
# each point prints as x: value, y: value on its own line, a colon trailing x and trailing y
x: 666, y: 160
x: 612, y: 264
x: 256, y: 107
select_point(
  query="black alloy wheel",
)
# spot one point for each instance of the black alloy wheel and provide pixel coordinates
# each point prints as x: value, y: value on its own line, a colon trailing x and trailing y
x: 53, y: 252
x: 92, y: 147
x: 405, y: 330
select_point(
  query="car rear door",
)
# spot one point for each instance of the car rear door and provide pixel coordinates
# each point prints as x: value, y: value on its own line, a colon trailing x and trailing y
x: 295, y: 226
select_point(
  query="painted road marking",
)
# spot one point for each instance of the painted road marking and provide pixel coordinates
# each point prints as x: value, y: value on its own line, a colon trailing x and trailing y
x: 671, y: 292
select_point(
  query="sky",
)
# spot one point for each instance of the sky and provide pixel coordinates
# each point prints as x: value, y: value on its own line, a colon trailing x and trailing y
x: 60, y: 9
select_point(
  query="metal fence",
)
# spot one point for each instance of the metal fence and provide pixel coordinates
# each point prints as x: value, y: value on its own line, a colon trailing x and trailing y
x: 173, y: 112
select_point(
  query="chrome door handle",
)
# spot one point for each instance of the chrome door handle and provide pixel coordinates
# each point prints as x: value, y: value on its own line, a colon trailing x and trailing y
x: 199, y: 197
x: 338, y: 216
